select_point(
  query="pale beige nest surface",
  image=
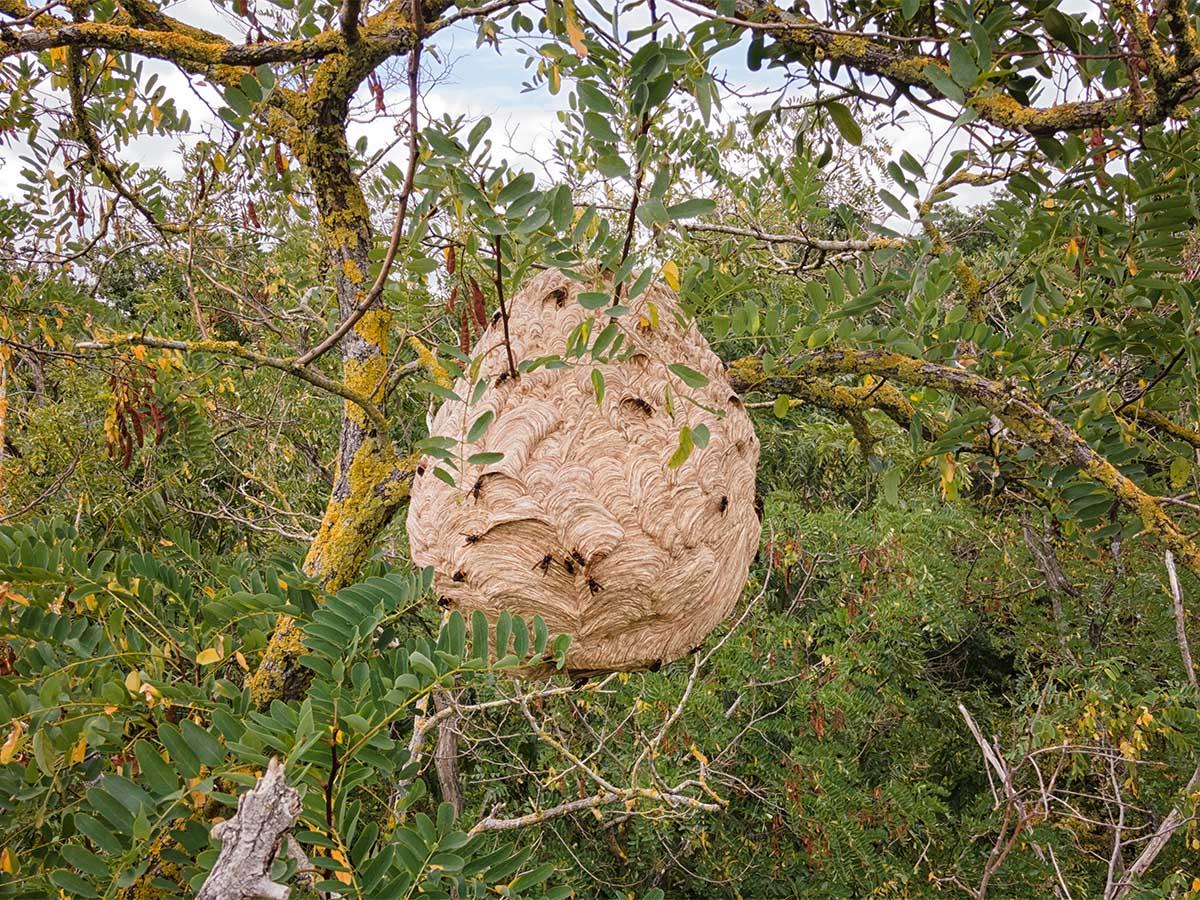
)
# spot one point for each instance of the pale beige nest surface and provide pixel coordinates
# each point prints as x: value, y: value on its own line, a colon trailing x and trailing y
x: 583, y: 522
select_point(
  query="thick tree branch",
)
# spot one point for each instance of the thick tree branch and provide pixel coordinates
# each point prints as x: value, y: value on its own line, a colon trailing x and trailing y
x: 1156, y: 421
x: 91, y: 140
x: 1025, y: 419
x: 167, y: 45
x: 877, y: 55
x: 251, y: 840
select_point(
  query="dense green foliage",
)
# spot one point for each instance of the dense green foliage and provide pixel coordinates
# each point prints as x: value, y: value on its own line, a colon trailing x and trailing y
x: 961, y: 663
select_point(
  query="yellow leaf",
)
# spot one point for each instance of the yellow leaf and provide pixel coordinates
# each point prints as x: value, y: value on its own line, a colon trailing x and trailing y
x: 574, y: 30
x: 78, y: 752
x: 8, y: 595
x: 241, y: 661
x: 133, y: 682
x: 339, y: 856
x: 199, y: 798
x: 9, y: 750
x: 208, y: 657
x: 670, y: 273
x: 8, y: 865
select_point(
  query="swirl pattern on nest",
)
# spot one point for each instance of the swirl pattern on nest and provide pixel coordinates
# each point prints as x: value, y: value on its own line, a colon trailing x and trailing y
x: 582, y: 522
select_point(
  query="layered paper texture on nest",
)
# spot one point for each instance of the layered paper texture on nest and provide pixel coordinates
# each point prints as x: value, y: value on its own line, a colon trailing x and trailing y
x: 582, y: 522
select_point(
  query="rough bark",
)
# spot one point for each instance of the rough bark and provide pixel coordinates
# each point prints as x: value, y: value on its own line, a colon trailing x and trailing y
x: 445, y: 754
x: 251, y: 840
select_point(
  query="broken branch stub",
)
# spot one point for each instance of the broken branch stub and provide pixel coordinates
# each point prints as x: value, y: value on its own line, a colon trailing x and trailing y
x: 250, y: 841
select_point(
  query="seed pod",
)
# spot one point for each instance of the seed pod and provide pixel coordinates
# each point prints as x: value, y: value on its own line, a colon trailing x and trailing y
x: 464, y: 333
x: 477, y: 305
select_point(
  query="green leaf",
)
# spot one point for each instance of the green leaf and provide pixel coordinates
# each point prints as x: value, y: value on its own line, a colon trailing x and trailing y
x: 206, y: 747
x: 652, y: 213
x: 683, y: 450
x: 689, y: 376
x: 593, y: 299
x: 604, y: 339
x: 946, y: 85
x: 1062, y: 28
x: 429, y: 387
x: 157, y: 774
x: 597, y: 126
x: 611, y: 165
x: 72, y: 884
x: 85, y: 860
x: 846, y: 126
x: 516, y: 189
x: 909, y: 162
x: 532, y: 878
x: 782, y: 405
x: 893, y: 203
x: 598, y: 385
x: 689, y: 209
x: 479, y: 635
x: 420, y: 663
x: 238, y: 101
x: 251, y: 88
x: 962, y: 66
x: 480, y: 426
x: 484, y: 459
x: 503, y: 633
x: 592, y: 97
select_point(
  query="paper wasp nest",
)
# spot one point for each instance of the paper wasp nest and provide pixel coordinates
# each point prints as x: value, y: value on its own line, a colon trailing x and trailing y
x: 582, y: 521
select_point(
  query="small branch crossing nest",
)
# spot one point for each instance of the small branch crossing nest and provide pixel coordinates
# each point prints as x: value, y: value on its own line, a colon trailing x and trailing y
x: 583, y: 522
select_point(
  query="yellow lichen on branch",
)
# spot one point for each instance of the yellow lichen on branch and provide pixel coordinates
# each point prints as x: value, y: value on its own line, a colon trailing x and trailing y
x: 1026, y: 421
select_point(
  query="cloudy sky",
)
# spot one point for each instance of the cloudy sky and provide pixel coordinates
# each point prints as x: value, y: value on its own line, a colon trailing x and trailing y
x: 479, y: 81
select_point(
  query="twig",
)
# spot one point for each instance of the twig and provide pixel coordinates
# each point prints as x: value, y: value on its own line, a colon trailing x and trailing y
x: 1175, y: 818
x: 233, y: 348
x: 1180, y: 619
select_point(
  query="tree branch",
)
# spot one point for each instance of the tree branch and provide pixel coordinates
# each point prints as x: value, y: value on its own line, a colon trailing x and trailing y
x: 828, y: 246
x: 871, y: 54
x: 233, y: 348
x: 167, y: 45
x: 251, y: 840
x: 1025, y: 419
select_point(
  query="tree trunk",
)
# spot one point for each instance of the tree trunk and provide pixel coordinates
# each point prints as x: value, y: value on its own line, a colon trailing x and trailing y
x: 371, y: 479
